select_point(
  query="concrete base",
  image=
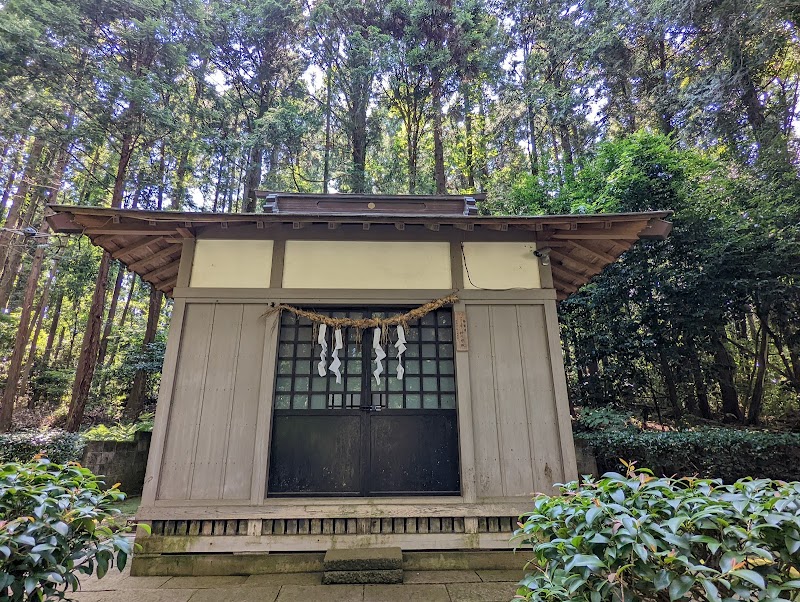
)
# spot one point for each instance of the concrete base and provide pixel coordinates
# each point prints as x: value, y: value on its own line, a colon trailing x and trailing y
x: 368, y: 576
x: 312, y: 562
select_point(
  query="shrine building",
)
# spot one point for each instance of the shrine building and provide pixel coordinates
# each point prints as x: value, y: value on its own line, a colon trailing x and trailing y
x: 348, y: 371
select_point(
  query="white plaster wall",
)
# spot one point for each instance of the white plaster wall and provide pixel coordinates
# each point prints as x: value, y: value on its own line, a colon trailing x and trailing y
x: 500, y: 265
x: 366, y: 265
x: 232, y: 263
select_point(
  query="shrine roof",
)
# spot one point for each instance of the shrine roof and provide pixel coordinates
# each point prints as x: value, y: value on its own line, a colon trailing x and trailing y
x: 149, y: 242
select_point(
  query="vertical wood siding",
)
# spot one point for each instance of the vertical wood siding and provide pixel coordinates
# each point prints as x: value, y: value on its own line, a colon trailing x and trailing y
x: 209, y: 447
x: 515, y: 419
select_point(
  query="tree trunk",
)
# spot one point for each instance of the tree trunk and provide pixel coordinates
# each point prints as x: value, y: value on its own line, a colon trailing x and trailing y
x: 252, y: 180
x: 51, y: 335
x: 48, y: 194
x: 21, y: 340
x: 135, y: 402
x: 438, y: 146
x: 670, y: 384
x: 122, y: 319
x: 725, y: 369
x: 26, y: 372
x: 701, y: 391
x: 87, y: 359
x: 59, y: 344
x: 186, y: 145
x: 757, y: 397
x: 326, y: 163
x: 469, y: 142
x: 18, y: 200
x: 12, y: 176
x: 112, y: 310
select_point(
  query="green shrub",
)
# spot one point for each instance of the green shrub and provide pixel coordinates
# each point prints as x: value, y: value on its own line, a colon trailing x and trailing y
x: 727, y: 454
x: 603, y: 418
x: 55, y: 524
x: 121, y: 432
x: 636, y: 537
x: 59, y: 446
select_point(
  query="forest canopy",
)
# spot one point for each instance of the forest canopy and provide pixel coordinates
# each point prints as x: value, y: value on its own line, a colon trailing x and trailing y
x: 547, y: 106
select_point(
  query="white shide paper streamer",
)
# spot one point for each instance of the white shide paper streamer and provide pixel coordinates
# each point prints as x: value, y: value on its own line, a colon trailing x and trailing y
x: 322, y: 369
x: 335, y: 361
x: 400, y: 345
x: 379, y: 355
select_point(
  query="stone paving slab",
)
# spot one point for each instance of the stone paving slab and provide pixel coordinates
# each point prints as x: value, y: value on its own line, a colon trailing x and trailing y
x: 304, y: 593
x: 201, y: 582
x: 283, y: 579
x: 236, y: 594
x: 146, y: 595
x: 441, y: 577
x: 420, y: 586
x: 481, y: 592
x: 406, y: 593
x: 501, y: 575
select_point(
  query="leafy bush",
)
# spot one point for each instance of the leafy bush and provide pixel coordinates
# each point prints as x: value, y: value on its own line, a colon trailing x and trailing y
x: 636, y: 537
x: 121, y: 432
x: 51, y: 385
x: 603, y: 418
x: 54, y: 525
x: 59, y: 446
x: 727, y: 454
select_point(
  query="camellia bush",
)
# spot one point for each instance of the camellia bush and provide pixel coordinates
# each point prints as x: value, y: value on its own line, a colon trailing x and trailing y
x: 56, y: 522
x: 636, y: 537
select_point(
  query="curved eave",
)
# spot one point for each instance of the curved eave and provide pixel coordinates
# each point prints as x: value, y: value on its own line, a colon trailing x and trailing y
x: 149, y: 243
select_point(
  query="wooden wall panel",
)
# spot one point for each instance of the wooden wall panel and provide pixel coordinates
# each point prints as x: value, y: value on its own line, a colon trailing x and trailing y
x: 175, y: 474
x: 482, y: 388
x: 244, y: 409
x: 217, y: 400
x: 209, y: 449
x: 516, y: 429
x: 512, y: 417
x: 545, y: 436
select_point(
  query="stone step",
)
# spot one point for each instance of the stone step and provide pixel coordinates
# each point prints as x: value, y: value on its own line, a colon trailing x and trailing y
x: 368, y: 576
x: 364, y: 559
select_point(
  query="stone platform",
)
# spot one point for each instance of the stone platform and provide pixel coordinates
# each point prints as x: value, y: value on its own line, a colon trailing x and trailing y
x: 417, y: 586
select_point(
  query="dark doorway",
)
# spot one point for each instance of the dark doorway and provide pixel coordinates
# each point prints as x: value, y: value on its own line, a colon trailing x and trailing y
x: 360, y: 437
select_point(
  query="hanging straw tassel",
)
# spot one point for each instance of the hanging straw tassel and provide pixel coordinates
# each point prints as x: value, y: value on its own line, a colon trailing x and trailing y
x: 379, y: 355
x: 400, y: 345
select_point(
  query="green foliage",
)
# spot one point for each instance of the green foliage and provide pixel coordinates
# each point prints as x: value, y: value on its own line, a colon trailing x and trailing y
x: 54, y: 526
x: 51, y: 385
x: 602, y: 418
x: 636, y: 537
x: 726, y: 454
x: 59, y: 446
x: 121, y: 432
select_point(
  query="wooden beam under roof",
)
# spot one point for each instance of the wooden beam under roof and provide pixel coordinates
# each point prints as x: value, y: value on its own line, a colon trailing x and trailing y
x: 165, y: 252
x: 139, y: 243
x: 600, y: 255
x: 567, y: 275
x: 573, y: 265
x: 158, y: 273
